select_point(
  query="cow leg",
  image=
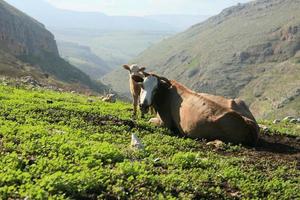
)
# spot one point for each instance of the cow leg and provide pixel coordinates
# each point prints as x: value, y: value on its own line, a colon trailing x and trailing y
x: 135, y: 104
x: 142, y: 115
x: 152, y: 111
x: 156, y: 121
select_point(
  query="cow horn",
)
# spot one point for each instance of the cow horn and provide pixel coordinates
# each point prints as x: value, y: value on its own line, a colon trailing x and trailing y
x: 145, y: 74
x: 163, y: 79
x: 142, y: 69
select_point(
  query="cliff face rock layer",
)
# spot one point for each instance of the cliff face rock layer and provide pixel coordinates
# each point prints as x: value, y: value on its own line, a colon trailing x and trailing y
x: 23, y: 39
x: 21, y: 34
x: 250, y: 51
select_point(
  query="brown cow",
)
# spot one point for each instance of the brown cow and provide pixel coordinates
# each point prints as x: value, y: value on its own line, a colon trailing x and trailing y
x: 135, y: 88
x: 198, y: 115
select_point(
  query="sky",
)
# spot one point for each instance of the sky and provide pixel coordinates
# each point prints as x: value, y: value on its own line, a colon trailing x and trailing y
x: 147, y: 7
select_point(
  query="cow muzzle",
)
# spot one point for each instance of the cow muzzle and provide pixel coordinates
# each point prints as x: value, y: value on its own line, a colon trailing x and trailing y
x: 144, y: 108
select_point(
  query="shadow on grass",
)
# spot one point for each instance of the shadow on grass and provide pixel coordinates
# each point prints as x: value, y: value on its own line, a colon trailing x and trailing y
x: 278, y: 144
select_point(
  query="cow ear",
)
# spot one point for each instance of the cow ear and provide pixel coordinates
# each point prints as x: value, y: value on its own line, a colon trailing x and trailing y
x: 137, y: 79
x: 126, y: 67
x: 142, y: 69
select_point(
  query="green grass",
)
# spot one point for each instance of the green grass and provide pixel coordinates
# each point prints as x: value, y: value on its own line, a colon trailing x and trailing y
x: 283, y: 128
x: 61, y: 146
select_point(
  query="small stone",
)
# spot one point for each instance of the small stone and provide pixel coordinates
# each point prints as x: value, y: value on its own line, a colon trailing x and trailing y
x: 136, y: 143
x: 111, y: 98
x: 216, y: 143
x: 294, y: 121
x: 264, y: 128
x: 288, y: 118
x: 276, y: 121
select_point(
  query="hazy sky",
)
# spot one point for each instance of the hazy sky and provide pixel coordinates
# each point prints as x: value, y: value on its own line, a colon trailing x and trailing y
x: 147, y: 7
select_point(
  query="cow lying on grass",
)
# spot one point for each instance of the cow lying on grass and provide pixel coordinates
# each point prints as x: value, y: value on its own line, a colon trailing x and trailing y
x: 197, y: 115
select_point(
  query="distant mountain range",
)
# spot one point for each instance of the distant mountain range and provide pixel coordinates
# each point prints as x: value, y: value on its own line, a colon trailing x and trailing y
x: 250, y: 51
x: 58, y: 18
x: 27, y: 48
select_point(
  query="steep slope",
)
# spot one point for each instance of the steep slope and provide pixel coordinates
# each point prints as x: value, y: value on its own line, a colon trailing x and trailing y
x: 249, y: 51
x: 25, y: 39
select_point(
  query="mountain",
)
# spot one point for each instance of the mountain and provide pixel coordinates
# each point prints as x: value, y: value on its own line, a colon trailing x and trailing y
x: 58, y: 18
x: 25, y: 40
x: 249, y: 50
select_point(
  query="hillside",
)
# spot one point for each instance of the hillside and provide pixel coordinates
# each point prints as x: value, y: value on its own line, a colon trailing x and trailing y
x: 25, y: 40
x: 250, y: 51
x: 83, y: 58
x: 180, y: 22
x: 57, y: 145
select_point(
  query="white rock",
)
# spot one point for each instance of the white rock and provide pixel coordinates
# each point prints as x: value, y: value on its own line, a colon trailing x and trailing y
x: 111, y: 98
x: 216, y: 143
x: 264, y: 128
x: 294, y: 121
x: 135, y: 142
x: 288, y: 118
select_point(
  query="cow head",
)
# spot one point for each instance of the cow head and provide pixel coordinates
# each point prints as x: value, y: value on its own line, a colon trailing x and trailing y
x: 150, y: 85
x: 134, y: 70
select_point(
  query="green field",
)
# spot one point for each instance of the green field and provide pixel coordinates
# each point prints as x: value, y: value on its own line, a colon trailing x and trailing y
x: 67, y: 146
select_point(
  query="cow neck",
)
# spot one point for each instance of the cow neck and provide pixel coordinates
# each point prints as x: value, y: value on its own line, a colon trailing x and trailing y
x: 160, y: 101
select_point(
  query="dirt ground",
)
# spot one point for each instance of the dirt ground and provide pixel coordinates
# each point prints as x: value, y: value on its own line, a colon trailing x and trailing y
x: 273, y: 148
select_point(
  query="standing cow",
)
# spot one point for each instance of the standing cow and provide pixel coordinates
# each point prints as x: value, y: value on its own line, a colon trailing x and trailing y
x: 135, y: 88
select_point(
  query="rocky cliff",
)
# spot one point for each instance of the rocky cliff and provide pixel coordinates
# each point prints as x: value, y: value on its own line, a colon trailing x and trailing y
x: 22, y: 35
